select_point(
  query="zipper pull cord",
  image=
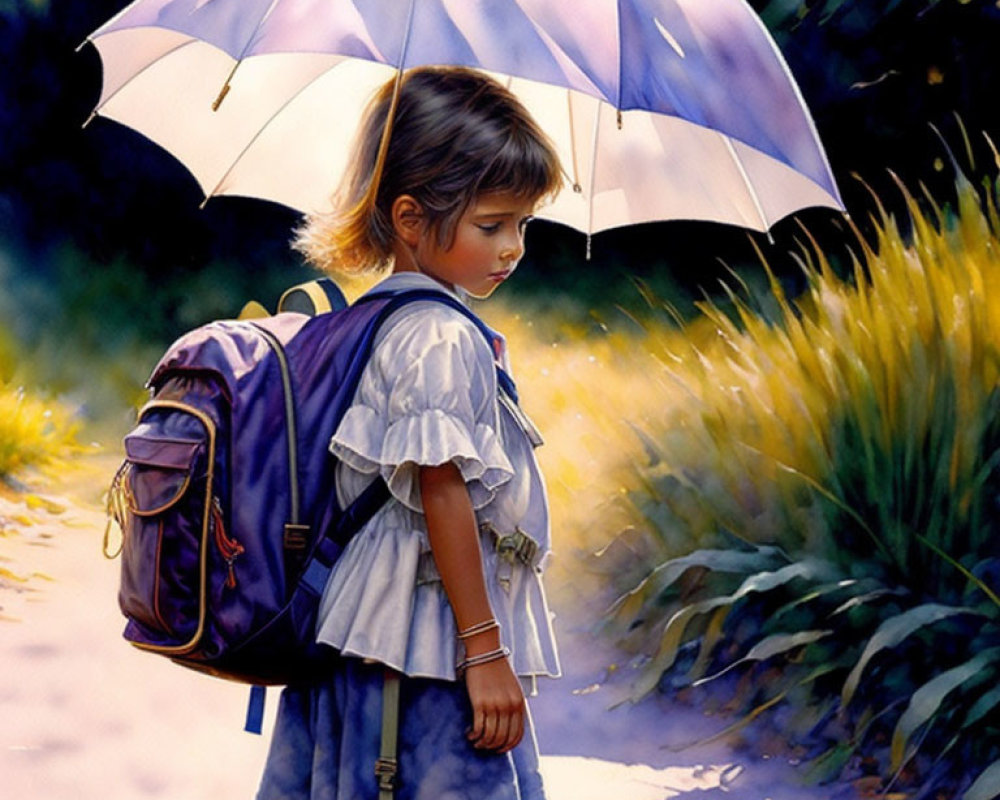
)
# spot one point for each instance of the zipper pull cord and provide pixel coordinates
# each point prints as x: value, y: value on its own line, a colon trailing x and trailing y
x: 229, y: 548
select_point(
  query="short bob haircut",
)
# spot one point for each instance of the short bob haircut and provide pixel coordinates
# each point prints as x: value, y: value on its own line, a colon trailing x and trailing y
x: 455, y: 135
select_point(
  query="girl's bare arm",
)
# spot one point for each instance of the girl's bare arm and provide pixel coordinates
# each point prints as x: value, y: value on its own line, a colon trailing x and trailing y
x: 494, y: 690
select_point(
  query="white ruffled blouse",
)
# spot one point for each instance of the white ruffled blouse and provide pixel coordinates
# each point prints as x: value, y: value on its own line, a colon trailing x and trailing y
x: 428, y: 396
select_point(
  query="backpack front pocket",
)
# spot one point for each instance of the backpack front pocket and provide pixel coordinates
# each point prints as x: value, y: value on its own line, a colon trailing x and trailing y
x: 164, y: 493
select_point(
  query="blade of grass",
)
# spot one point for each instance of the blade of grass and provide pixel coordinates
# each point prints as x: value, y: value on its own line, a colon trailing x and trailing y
x: 987, y: 784
x: 891, y: 633
x: 979, y: 584
x: 673, y: 633
x: 925, y: 702
x: 769, y: 648
x: 669, y: 572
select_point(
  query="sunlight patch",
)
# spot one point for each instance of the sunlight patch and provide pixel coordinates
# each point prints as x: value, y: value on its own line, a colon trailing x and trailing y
x: 593, y: 779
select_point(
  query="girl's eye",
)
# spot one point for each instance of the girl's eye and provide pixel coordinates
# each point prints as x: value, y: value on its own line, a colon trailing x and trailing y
x: 489, y: 227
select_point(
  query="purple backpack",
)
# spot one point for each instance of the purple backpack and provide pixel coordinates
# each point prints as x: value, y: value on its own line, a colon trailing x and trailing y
x: 226, y: 497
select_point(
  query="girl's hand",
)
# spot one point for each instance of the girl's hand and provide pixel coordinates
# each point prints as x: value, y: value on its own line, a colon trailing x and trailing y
x: 497, y: 706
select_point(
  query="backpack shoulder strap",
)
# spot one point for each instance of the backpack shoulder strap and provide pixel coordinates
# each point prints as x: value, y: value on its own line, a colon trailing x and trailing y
x: 398, y: 299
x: 372, y: 498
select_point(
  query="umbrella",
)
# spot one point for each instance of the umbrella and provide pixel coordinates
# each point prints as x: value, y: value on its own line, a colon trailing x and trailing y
x: 660, y: 109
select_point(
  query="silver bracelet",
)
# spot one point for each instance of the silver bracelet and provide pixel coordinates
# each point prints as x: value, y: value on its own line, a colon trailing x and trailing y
x: 479, y: 627
x: 483, y: 658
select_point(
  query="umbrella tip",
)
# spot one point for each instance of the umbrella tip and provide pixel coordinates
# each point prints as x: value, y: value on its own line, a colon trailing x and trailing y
x: 89, y: 119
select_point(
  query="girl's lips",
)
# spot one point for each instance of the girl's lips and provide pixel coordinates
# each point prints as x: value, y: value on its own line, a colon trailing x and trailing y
x: 502, y: 275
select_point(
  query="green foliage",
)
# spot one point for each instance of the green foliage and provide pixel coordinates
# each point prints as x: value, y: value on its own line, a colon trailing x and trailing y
x: 92, y: 332
x: 780, y: 14
x: 834, y: 467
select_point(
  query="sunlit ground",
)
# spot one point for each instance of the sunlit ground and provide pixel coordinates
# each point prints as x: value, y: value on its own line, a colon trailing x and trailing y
x: 87, y: 717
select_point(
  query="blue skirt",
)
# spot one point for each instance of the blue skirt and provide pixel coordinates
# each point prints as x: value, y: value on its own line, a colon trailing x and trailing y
x: 326, y: 740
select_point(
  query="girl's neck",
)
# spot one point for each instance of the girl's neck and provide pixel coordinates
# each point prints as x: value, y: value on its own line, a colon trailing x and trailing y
x: 404, y: 261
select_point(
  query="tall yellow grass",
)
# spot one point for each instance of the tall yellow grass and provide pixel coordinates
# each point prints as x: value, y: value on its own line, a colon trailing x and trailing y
x: 857, y: 427
x: 590, y: 390
x: 874, y: 397
x: 33, y: 431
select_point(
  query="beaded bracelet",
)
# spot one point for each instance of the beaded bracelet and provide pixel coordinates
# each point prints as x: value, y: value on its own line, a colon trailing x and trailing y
x: 479, y: 627
x: 483, y: 658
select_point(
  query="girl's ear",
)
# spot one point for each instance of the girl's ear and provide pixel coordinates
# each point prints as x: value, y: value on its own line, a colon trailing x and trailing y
x: 407, y: 219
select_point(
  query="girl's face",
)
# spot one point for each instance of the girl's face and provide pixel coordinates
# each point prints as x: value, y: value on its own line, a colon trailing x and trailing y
x: 488, y: 243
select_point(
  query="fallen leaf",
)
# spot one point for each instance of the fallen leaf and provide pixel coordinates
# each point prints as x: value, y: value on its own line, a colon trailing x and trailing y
x: 11, y: 576
x: 34, y: 502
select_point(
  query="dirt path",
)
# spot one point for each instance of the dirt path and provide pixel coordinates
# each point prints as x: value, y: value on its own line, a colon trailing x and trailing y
x: 86, y: 717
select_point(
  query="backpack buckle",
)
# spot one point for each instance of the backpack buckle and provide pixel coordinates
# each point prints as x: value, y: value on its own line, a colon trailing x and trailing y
x: 296, y: 537
x: 295, y: 541
x: 387, y: 772
x: 516, y: 546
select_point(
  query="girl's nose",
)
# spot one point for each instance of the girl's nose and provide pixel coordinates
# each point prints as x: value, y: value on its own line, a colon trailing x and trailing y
x: 513, y: 249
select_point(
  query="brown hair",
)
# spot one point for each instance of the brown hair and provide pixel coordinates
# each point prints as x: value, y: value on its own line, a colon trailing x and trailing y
x: 454, y: 135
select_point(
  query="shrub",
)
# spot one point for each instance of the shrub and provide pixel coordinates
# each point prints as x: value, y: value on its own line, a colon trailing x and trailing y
x: 823, y: 505
x: 32, y: 432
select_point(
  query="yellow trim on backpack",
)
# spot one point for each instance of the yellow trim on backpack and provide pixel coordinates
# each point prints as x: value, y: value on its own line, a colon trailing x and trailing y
x: 253, y: 310
x: 320, y: 301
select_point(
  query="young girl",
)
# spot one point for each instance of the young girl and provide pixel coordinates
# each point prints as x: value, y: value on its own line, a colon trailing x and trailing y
x: 443, y: 585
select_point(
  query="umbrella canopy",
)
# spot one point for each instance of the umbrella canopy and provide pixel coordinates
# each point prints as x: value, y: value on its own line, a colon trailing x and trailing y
x: 660, y: 109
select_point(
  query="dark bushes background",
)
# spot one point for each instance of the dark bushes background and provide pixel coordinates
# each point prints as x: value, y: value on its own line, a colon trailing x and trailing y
x: 876, y: 74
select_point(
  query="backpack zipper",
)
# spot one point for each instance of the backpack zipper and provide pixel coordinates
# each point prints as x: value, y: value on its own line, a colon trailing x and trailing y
x: 229, y: 548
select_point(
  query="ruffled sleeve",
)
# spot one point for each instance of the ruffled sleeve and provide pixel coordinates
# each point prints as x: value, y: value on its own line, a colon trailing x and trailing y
x: 426, y: 398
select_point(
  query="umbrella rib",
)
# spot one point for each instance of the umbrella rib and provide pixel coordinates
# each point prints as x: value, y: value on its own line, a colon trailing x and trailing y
x: 593, y: 178
x: 383, y: 145
x: 572, y: 141
x: 258, y: 134
x: 226, y: 85
x: 246, y: 46
x: 371, y: 195
x: 749, y: 186
x: 618, y: 22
